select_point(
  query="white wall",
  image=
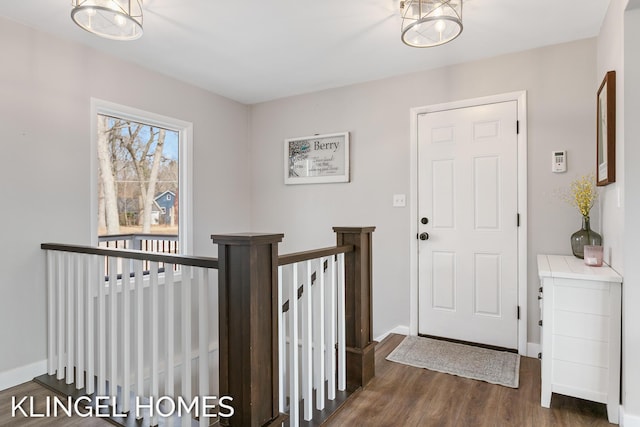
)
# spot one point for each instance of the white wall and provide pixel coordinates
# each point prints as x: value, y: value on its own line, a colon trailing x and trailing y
x: 560, y: 82
x: 45, y: 89
x: 619, y: 50
x: 611, y: 57
x: 630, y: 289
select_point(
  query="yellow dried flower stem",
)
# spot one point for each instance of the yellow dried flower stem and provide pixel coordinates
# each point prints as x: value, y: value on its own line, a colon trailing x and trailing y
x: 583, y: 193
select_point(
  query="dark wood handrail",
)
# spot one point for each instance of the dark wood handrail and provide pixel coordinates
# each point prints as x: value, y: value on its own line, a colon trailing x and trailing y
x: 313, y: 254
x: 193, y: 261
x: 140, y: 236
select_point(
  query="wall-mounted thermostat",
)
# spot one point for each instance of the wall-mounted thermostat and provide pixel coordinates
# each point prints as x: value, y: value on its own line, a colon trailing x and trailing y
x: 559, y: 161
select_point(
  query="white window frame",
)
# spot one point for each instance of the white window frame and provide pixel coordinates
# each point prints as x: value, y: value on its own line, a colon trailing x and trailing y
x: 185, y: 138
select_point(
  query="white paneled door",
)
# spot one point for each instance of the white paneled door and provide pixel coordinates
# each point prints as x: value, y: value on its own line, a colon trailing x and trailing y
x: 467, y: 208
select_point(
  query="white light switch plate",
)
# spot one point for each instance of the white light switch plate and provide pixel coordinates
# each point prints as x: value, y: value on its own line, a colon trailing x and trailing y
x: 399, y: 200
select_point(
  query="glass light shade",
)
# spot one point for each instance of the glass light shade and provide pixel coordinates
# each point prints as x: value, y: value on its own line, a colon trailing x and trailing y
x: 112, y: 19
x: 428, y: 23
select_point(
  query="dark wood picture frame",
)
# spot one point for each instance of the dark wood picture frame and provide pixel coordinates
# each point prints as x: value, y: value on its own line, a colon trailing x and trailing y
x: 606, y: 131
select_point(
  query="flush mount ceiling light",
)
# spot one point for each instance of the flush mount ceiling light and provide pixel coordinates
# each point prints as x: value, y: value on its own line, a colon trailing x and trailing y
x: 428, y: 23
x: 112, y: 19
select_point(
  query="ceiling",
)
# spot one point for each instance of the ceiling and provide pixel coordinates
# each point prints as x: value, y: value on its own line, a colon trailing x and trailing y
x: 254, y: 51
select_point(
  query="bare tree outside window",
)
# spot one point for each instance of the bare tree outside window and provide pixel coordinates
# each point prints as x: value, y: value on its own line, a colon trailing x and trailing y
x: 138, y: 187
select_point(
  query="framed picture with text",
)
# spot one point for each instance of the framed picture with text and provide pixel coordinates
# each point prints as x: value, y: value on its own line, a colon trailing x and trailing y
x: 606, y: 131
x: 317, y: 159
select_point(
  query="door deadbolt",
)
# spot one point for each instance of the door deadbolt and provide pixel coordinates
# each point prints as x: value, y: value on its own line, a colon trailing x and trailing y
x: 424, y: 236
x: 424, y: 220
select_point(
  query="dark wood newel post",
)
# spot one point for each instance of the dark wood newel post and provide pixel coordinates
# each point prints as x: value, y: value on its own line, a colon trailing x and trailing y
x: 358, y: 328
x: 248, y: 316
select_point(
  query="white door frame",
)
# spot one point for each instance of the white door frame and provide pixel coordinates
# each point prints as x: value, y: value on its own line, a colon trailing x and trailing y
x: 521, y: 99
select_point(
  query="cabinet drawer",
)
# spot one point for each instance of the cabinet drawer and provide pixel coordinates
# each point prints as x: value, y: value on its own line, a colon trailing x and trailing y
x: 591, y: 379
x: 593, y: 299
x: 587, y: 352
x: 580, y: 325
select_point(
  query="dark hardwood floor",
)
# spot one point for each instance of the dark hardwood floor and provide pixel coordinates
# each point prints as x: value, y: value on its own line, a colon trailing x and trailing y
x: 405, y: 396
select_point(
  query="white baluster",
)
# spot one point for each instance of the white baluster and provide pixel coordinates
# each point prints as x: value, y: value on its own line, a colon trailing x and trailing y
x: 102, y: 326
x: 203, y: 338
x: 169, y: 315
x: 186, y: 339
x: 153, y: 285
x: 331, y: 329
x: 113, y: 326
x: 294, y: 391
x: 214, y: 357
x: 342, y: 362
x: 139, y: 328
x: 90, y: 283
x: 126, y: 336
x: 80, y: 319
x: 69, y: 306
x: 318, y: 336
x: 282, y: 398
x: 285, y: 317
x: 51, y: 312
x: 61, y: 309
x: 307, y: 336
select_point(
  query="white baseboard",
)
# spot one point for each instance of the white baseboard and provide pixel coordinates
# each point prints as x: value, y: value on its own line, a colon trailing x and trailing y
x: 533, y: 348
x: 400, y: 329
x: 628, y: 420
x: 22, y: 374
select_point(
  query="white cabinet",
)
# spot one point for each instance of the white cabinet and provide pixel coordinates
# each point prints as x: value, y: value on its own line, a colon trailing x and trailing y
x: 580, y: 331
